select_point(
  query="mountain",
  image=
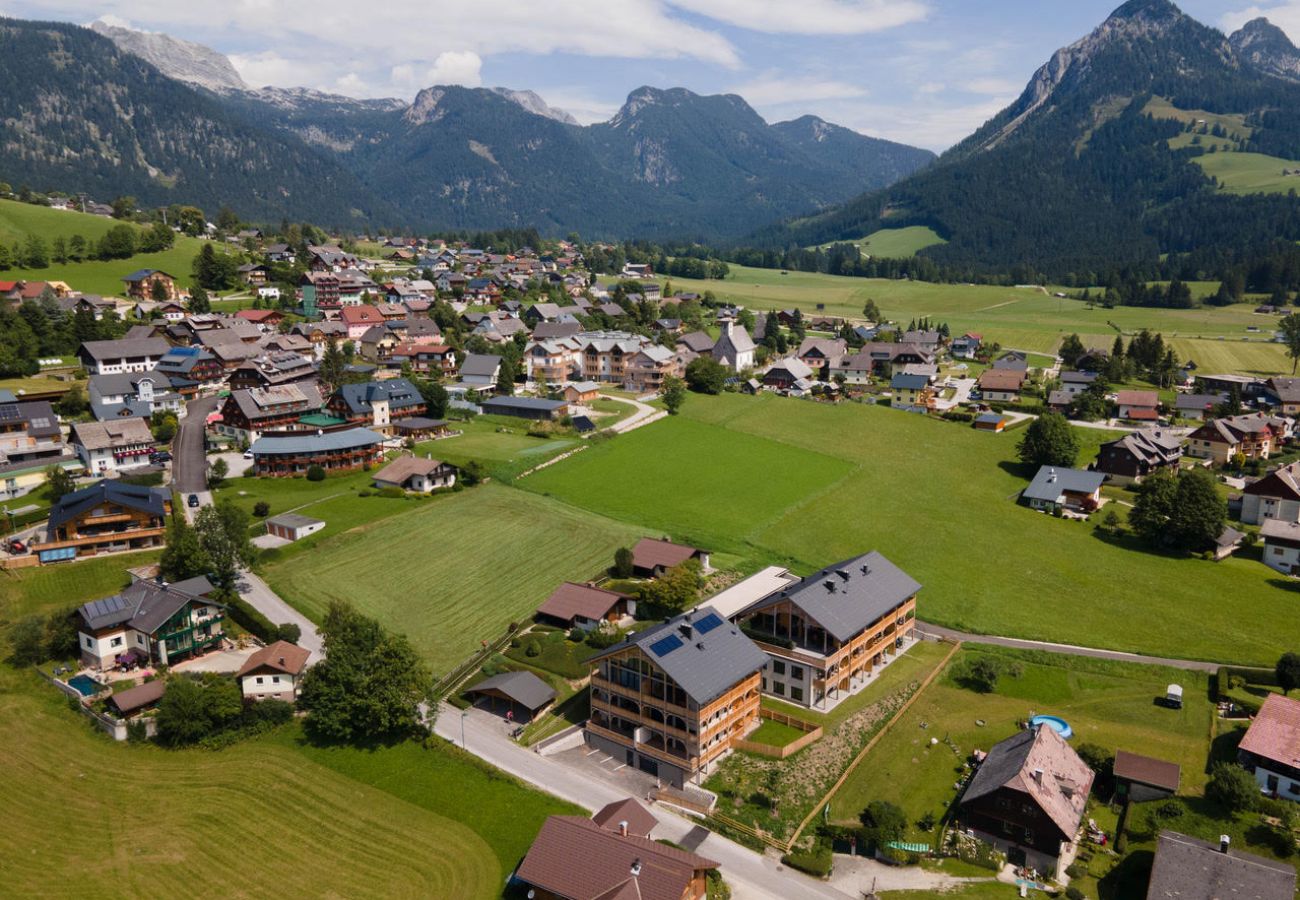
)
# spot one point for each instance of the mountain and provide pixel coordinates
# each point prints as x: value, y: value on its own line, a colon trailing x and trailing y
x: 79, y: 114
x: 881, y: 162
x: 175, y: 58
x: 535, y: 105
x: 1094, y: 164
x: 1266, y: 48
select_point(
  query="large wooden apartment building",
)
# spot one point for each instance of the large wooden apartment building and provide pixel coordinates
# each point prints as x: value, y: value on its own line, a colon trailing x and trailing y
x: 672, y: 700
x: 107, y: 515
x: 827, y: 634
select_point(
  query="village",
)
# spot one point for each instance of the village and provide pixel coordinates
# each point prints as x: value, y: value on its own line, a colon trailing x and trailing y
x: 732, y: 722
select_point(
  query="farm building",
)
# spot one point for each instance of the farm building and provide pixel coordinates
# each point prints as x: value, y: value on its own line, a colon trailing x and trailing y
x: 293, y: 527
x: 585, y: 606
x: 526, y: 408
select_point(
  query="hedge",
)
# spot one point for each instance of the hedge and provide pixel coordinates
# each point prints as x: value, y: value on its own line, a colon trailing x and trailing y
x: 251, y: 620
x: 817, y: 862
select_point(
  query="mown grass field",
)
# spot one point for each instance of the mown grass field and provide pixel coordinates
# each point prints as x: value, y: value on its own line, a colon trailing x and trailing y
x: 898, y: 243
x: 1023, y: 318
x: 456, y: 570
x: 18, y: 220
x: 1250, y: 173
x: 1106, y: 703
x: 806, y: 484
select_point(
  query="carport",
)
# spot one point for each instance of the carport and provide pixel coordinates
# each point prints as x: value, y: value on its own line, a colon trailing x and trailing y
x: 521, y: 695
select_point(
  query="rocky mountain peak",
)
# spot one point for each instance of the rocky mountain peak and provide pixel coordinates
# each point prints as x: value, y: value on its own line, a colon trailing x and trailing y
x: 1266, y: 48
x: 534, y: 104
x: 176, y: 58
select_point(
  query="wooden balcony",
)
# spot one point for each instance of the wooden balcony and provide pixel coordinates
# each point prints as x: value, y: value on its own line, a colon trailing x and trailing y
x: 112, y: 537
x: 686, y: 761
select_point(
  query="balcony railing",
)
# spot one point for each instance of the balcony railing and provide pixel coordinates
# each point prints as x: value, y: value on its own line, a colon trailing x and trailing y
x: 112, y: 537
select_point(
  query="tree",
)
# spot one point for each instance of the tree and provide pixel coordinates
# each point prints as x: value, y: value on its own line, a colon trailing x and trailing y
x: 871, y: 312
x: 217, y: 473
x: 193, y: 708
x: 332, y: 366
x: 35, y: 253
x: 1199, y: 514
x: 1072, y: 350
x: 27, y: 642
x: 673, y: 394
x: 1288, y: 672
x: 288, y: 631
x: 157, y: 238
x: 77, y: 248
x: 1150, y: 515
x: 506, y: 376
x: 124, y: 207
x: 472, y: 473
x: 370, y: 684
x: 59, y: 482
x: 1233, y: 788
x: 227, y: 219
x: 981, y: 674
x: 261, y: 509
x: 706, y: 375
x: 199, y: 302
x: 623, y: 563
x: 1049, y: 441
x: 436, y: 399
x: 158, y: 291
x: 184, y: 556
x: 882, y: 823
x: 163, y: 424
x: 315, y: 473
x: 223, y: 534
x: 677, y: 589
x: 117, y: 243
x: 1098, y: 758
x: 1290, y: 329
x: 59, y: 250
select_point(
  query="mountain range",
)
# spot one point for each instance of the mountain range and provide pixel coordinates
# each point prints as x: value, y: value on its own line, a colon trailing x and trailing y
x: 1104, y: 159
x: 670, y: 163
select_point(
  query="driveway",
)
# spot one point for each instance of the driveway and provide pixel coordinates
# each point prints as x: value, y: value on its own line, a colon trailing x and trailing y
x: 221, y: 661
x: 644, y: 415
x: 857, y: 876
x: 752, y: 876
x: 189, y: 450
x: 258, y: 594
x: 963, y: 387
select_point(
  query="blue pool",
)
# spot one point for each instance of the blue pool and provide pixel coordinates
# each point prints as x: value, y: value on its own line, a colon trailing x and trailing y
x: 85, y: 685
x: 1056, y: 723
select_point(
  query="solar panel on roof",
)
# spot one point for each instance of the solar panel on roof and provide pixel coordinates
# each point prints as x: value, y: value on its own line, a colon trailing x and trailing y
x: 664, y: 646
x: 708, y: 623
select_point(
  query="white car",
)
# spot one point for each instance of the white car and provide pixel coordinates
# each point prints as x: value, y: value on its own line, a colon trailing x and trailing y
x: 248, y: 454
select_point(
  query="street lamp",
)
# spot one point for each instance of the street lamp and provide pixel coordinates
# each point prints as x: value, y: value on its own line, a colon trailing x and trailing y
x: 463, y: 714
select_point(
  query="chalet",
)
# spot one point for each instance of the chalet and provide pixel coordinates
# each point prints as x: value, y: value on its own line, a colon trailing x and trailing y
x: 149, y: 624
x: 645, y: 370
x: 573, y: 857
x: 585, y: 606
x: 266, y: 320
x: 603, y: 355
x: 672, y: 700
x: 1271, y: 747
x: 280, y: 253
x: 552, y: 361
x: 420, y: 476
x: 359, y: 319
x: 170, y: 311
x: 1012, y: 361
x: 734, y: 347
x: 1275, y: 496
x: 256, y: 274
x: 526, y: 408
x: 787, y: 374
x: 150, y: 284
x: 929, y: 341
x: 1219, y: 440
x: 106, y: 516
x: 1028, y: 798
x: 1142, y: 778
x: 286, y: 454
x: 1286, y: 393
x: 246, y: 414
x: 827, y: 634
x: 1061, y: 401
x: 480, y: 370
x: 320, y: 291
x: 581, y: 392
x: 1281, y: 545
x: 913, y: 393
x: 1139, y: 454
x: 820, y: 354
x: 425, y: 358
x: 273, y: 369
x: 30, y: 442
x: 126, y: 394
x: 109, y: 447
x: 1002, y: 385
x: 1075, y: 383
x: 1188, y: 868
x: 273, y: 673
x: 1138, y: 406
x: 1056, y: 490
x: 327, y: 258
x: 376, y: 404
x: 652, y: 557
x: 1245, y: 386
x: 545, y: 331
x: 1197, y: 407
x: 541, y: 312
x: 113, y: 357
x: 697, y: 342
x: 967, y: 346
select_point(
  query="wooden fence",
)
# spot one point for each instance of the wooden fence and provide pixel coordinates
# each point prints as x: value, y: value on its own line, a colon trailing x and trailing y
x: 697, y: 802
x: 811, y: 733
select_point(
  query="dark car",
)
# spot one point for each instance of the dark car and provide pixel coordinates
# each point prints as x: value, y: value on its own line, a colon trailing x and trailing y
x: 193, y: 501
x: 161, y: 456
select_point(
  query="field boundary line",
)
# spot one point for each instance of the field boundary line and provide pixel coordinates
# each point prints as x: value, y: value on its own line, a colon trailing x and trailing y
x: 844, y: 776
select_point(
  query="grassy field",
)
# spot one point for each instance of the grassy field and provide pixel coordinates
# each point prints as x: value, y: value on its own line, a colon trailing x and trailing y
x: 17, y: 220
x: 500, y: 443
x: 806, y: 484
x: 1106, y: 703
x: 898, y: 243
x: 1023, y: 318
x: 456, y: 570
x: 1250, y: 173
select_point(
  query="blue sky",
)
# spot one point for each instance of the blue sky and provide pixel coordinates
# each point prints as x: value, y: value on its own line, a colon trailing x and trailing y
x: 927, y: 72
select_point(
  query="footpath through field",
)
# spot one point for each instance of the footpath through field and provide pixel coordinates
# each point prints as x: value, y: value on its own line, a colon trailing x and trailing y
x: 949, y: 634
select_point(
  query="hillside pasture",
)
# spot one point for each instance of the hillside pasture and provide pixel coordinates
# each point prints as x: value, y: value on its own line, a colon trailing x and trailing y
x: 1251, y: 173
x: 938, y: 499
x: 897, y: 243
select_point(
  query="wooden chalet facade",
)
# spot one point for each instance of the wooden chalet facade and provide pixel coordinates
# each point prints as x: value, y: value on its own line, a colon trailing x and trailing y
x: 673, y: 700
x: 286, y: 454
x: 246, y: 414
x: 108, y: 515
x: 827, y: 634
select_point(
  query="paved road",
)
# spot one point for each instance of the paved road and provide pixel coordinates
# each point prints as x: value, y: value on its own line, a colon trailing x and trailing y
x: 259, y: 595
x: 189, y: 457
x: 938, y: 631
x: 644, y: 415
x: 752, y: 876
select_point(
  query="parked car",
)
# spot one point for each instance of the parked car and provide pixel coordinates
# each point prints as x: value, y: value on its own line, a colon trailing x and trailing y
x: 161, y: 456
x: 193, y: 501
x: 248, y: 454
x: 17, y: 546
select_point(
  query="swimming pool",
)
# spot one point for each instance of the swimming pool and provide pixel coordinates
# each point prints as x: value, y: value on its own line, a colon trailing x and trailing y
x: 1056, y: 723
x: 84, y: 685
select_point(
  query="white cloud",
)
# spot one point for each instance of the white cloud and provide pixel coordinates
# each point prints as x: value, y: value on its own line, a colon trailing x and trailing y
x: 773, y: 89
x: 810, y: 16
x: 998, y: 86
x: 463, y: 67
x: 1284, y: 15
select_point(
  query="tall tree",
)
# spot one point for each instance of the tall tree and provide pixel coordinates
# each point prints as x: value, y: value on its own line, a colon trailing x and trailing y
x: 184, y: 556
x: 1288, y: 672
x: 673, y: 394
x: 1290, y: 328
x: 1071, y: 350
x: 1049, y: 441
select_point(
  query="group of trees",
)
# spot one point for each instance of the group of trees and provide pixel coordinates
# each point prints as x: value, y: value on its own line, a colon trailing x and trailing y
x: 210, y: 706
x: 39, y: 328
x: 676, y: 590
x: 217, y: 546
x: 119, y: 242
x: 1049, y: 441
x: 215, y: 271
x: 1179, y: 512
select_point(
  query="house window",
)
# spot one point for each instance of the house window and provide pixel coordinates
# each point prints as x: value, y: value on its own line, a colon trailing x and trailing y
x: 139, y: 639
x: 796, y: 672
x: 115, y: 642
x: 796, y: 693
x: 89, y: 643
x: 778, y: 688
x: 778, y: 667
x: 1277, y: 551
x: 275, y: 679
x: 259, y: 679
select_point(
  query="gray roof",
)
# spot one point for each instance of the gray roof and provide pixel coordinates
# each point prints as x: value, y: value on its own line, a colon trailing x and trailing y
x: 524, y: 688
x: 132, y: 496
x: 101, y: 350
x: 480, y: 364
x: 523, y: 403
x: 848, y: 596
x: 1050, y: 483
x: 293, y: 520
x: 320, y: 442
x: 399, y: 392
x: 909, y: 382
x: 705, y: 661
x: 145, y: 605
x: 1190, y: 869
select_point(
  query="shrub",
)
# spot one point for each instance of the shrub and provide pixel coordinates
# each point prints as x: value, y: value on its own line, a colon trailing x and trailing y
x: 261, y: 509
x: 1076, y: 870
x: 251, y: 620
x: 315, y: 473
x: 817, y: 862
x: 533, y: 648
x: 391, y: 493
x: 883, y: 822
x: 1233, y: 788
x: 577, y: 635
x: 288, y: 631
x: 1073, y: 893
x: 892, y: 856
x: 135, y: 731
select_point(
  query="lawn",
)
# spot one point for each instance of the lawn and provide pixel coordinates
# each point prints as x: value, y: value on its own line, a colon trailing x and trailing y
x: 1024, y: 318
x: 501, y: 444
x: 17, y: 220
x: 455, y: 570
x: 1107, y: 703
x: 24, y: 592
x: 898, y: 243
x: 788, y: 481
x: 774, y: 734
x: 1250, y: 173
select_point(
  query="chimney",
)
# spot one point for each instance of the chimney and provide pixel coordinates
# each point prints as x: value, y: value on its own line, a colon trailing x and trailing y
x: 622, y: 828
x: 1038, y: 775
x: 281, y: 660
x: 1224, y: 843
x: 636, y: 867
